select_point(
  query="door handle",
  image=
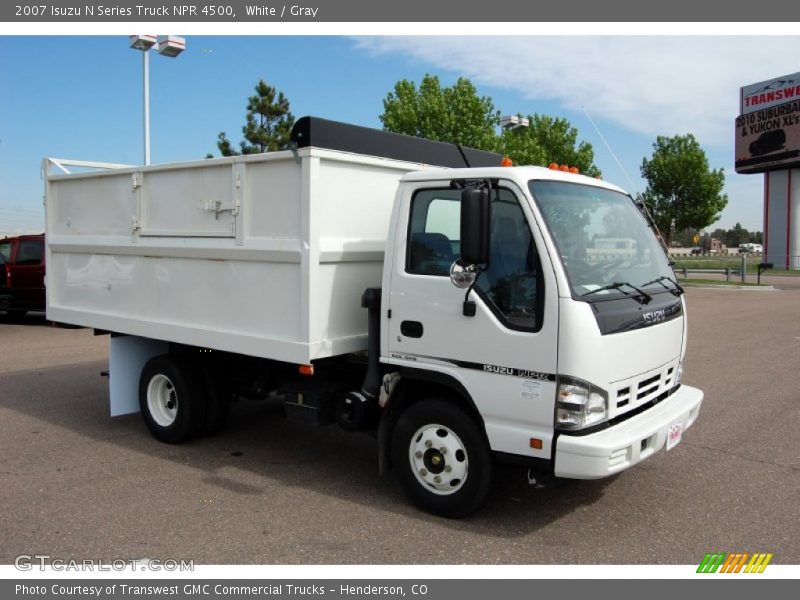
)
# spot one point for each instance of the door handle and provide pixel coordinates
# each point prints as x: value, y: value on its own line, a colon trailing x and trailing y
x: 412, y: 329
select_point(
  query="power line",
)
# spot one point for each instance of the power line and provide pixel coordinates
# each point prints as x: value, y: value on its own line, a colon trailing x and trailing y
x: 597, y: 129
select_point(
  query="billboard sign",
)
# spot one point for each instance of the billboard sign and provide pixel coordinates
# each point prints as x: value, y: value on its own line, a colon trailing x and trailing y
x: 768, y: 139
x: 771, y: 92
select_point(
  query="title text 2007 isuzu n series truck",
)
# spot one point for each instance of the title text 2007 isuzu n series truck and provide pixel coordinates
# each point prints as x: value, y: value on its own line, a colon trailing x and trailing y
x: 512, y: 313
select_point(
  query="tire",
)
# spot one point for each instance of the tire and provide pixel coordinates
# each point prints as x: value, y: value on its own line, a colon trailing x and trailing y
x: 172, y: 398
x: 218, y: 402
x: 451, y: 483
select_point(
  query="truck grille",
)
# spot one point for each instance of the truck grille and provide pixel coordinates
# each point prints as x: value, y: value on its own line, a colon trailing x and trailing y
x: 642, y: 390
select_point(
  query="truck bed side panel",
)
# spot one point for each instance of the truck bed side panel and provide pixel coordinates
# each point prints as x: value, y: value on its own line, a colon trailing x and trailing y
x: 265, y: 255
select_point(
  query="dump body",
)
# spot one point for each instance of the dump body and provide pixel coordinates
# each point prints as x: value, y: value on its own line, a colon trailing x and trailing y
x: 264, y: 255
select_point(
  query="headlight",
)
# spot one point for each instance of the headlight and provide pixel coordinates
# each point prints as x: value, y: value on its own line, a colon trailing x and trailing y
x: 579, y: 404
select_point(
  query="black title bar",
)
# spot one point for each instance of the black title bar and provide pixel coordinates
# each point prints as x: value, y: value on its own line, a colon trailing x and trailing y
x: 463, y: 11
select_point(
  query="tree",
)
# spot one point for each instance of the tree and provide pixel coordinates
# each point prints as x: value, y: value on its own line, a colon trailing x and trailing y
x: 719, y: 234
x: 685, y: 237
x: 681, y: 189
x: 547, y: 140
x: 453, y: 114
x: 268, y: 123
x: 458, y: 115
x: 737, y: 235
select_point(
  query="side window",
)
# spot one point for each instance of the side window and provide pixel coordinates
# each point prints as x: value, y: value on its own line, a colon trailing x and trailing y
x: 5, y: 252
x: 512, y: 284
x: 30, y: 252
x: 434, y: 231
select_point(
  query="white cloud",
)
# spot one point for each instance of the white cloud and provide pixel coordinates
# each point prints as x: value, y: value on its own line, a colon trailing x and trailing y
x: 654, y: 85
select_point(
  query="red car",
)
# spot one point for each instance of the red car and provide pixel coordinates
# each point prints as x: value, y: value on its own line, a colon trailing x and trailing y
x: 22, y: 274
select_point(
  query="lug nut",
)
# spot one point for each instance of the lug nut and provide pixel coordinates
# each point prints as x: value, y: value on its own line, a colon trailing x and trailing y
x: 428, y: 443
x: 448, y: 468
x: 443, y: 450
x: 437, y: 479
x: 418, y: 454
x: 423, y: 472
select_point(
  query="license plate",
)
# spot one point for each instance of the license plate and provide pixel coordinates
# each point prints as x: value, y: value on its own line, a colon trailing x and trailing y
x: 674, y: 435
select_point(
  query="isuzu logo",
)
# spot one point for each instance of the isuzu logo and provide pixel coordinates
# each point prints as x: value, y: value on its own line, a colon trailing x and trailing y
x: 654, y: 316
x: 517, y: 372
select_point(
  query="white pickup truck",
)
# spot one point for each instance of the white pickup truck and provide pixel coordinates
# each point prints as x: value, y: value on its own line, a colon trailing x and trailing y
x: 498, y: 324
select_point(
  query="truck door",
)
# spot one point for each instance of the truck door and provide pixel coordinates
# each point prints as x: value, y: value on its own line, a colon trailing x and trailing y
x: 27, y: 274
x: 505, y: 355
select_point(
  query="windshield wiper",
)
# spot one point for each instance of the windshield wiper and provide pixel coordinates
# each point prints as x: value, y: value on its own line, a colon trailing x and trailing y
x: 617, y: 285
x: 677, y: 290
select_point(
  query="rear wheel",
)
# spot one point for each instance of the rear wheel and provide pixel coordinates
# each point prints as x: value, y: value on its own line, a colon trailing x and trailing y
x: 442, y: 458
x: 171, y: 399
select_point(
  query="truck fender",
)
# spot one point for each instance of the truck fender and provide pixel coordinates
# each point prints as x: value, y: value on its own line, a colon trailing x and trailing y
x: 402, y: 395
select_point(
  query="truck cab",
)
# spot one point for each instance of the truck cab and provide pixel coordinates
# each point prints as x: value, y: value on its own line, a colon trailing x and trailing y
x: 567, y: 350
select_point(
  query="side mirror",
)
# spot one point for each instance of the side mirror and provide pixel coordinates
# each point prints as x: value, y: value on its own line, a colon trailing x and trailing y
x: 475, y: 218
x: 462, y: 276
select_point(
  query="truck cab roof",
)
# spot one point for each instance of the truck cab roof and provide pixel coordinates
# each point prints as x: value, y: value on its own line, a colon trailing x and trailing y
x: 520, y: 175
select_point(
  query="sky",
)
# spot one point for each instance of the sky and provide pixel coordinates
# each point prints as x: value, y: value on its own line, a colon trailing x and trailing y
x: 80, y: 97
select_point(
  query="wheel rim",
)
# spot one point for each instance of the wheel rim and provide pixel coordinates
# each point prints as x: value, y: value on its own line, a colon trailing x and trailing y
x: 162, y: 400
x: 438, y: 459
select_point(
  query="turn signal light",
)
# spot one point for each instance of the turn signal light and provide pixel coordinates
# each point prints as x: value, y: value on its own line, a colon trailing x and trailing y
x: 306, y: 369
x: 536, y: 443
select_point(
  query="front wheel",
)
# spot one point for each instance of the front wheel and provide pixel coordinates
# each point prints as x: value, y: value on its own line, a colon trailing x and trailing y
x: 442, y: 458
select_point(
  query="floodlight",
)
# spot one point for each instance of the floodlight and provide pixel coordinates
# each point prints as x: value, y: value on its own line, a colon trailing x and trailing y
x: 509, y: 121
x: 171, y: 45
x: 142, y: 42
x: 514, y: 122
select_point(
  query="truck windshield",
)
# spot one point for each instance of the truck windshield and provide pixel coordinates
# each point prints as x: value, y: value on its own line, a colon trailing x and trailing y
x: 602, y: 238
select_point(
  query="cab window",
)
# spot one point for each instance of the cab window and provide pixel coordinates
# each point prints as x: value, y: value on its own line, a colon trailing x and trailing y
x: 30, y: 252
x: 511, y: 285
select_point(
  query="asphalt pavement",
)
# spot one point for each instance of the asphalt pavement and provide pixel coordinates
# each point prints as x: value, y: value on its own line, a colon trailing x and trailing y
x: 75, y: 483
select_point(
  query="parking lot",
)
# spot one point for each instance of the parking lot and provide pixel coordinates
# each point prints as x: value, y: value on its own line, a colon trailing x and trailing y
x: 75, y: 483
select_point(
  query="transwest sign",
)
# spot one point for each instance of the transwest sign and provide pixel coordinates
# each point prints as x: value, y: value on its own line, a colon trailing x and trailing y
x: 768, y: 93
x: 768, y: 128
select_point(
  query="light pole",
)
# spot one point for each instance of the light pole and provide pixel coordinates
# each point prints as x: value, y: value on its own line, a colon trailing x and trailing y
x: 168, y: 45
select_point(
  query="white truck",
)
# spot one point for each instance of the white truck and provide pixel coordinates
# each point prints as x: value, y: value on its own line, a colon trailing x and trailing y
x: 493, y: 330
x: 750, y: 248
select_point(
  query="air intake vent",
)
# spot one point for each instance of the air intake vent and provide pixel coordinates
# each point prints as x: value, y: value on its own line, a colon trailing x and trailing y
x: 648, y: 386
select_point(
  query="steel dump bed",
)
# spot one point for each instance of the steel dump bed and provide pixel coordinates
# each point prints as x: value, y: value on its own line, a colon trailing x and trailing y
x: 265, y: 255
